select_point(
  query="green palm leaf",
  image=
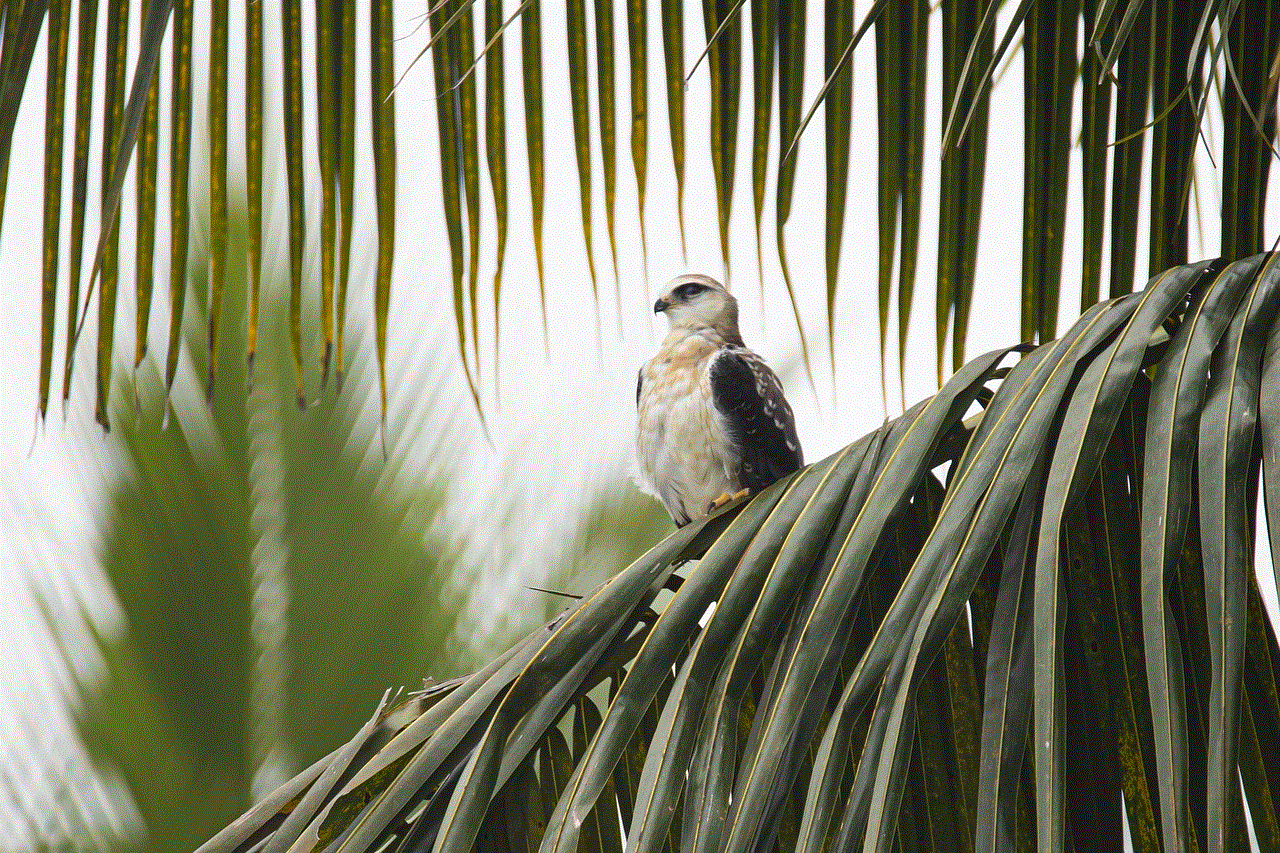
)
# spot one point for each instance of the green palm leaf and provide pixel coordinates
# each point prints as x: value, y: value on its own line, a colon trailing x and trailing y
x: 328, y: 58
x: 253, y: 124
x: 106, y: 263
x: 1161, y: 60
x: 291, y: 29
x: 55, y: 96
x: 840, y: 600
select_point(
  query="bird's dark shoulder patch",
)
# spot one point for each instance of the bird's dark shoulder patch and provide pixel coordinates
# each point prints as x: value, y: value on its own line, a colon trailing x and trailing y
x: 733, y: 382
x: 761, y: 426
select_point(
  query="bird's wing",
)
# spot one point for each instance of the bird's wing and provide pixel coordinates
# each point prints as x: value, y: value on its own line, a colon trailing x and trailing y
x: 639, y: 385
x: 749, y: 397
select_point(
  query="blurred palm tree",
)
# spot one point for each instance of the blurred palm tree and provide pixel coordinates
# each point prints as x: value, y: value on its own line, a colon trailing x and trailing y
x: 274, y: 575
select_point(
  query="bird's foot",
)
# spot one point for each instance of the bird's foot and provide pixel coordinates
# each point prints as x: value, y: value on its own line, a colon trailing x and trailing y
x: 726, y: 499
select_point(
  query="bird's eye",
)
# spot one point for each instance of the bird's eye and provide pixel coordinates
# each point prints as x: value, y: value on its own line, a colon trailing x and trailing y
x: 688, y: 291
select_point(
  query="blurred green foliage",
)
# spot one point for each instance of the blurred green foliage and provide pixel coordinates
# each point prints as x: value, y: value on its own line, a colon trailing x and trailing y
x: 274, y: 575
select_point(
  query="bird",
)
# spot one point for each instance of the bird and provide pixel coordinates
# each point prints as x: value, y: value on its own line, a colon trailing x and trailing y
x: 712, y: 424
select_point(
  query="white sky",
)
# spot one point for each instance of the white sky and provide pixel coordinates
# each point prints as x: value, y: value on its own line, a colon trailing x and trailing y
x: 563, y: 431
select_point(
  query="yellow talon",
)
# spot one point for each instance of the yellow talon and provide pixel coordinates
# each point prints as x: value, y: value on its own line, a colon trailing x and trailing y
x: 725, y: 499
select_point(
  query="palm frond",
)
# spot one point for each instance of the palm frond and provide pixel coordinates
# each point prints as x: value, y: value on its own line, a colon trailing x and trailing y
x: 291, y: 40
x: 1163, y: 62
x: 1029, y: 557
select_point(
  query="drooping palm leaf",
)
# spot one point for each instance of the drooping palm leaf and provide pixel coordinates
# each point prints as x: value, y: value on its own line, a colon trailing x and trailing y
x: 1253, y: 35
x: 605, y: 44
x: 463, y: 84
x: 1132, y: 88
x: 87, y: 30
x: 764, y: 38
x: 901, y: 51
x: 179, y: 182
x: 448, y: 106
x: 1095, y: 123
x: 1050, y: 73
x: 55, y: 97
x: 107, y: 261
x: 1173, y: 96
x: 346, y: 72
x: 531, y: 55
x: 1162, y: 61
x: 960, y: 184
x: 253, y: 118
x: 496, y: 152
x: 291, y: 38
x: 722, y: 24
x: 838, y: 111
x: 789, y: 653
x: 914, y: 47
x: 218, y: 59
x: 382, y: 118
x: 147, y: 169
x: 576, y: 37
x: 328, y: 60
x: 637, y: 50
x: 672, y: 17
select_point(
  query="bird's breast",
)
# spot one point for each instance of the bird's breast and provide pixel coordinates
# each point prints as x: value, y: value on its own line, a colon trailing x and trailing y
x: 681, y: 447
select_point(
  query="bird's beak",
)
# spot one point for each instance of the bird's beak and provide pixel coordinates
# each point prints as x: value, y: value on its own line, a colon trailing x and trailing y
x: 660, y: 306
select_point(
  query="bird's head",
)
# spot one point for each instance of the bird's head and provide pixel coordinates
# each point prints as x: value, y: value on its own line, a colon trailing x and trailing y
x: 695, y: 301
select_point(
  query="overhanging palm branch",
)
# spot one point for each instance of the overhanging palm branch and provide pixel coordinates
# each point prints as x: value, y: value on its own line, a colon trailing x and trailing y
x: 985, y: 631
x: 1160, y: 60
x: 133, y: 122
